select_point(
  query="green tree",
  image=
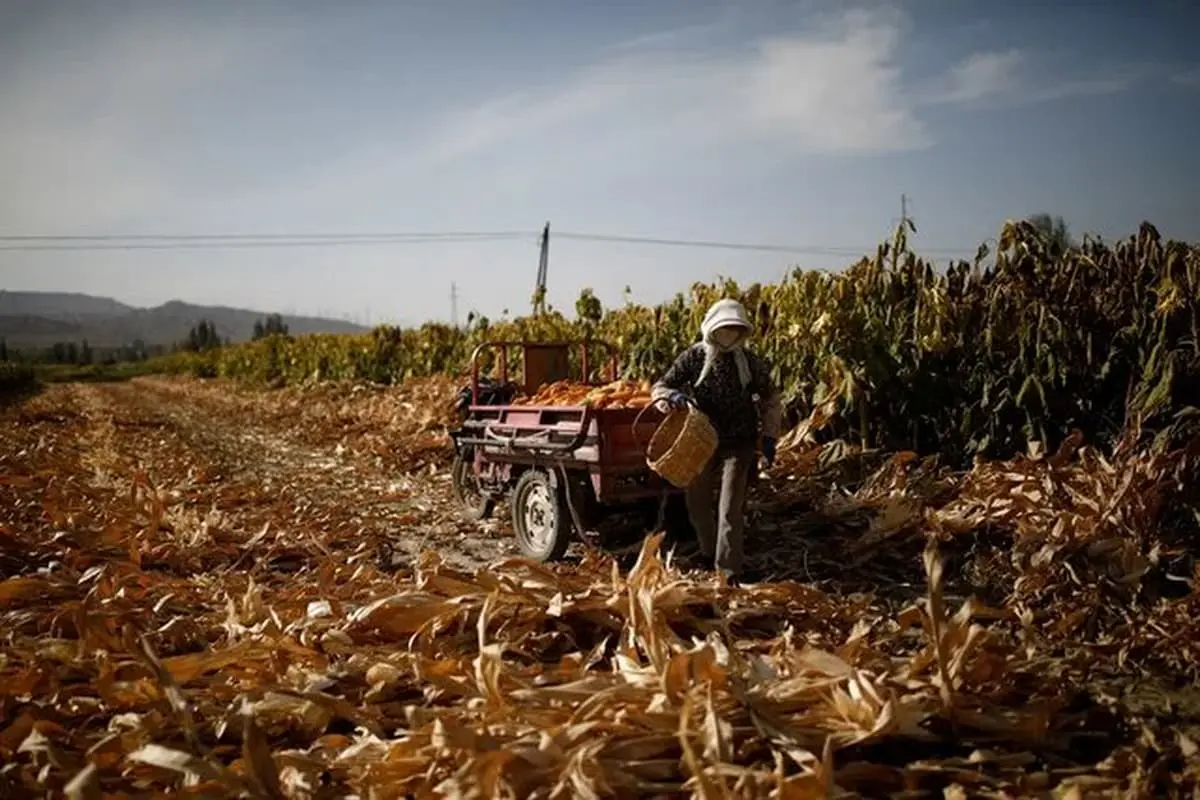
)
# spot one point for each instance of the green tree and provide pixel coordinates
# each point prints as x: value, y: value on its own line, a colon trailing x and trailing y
x: 202, y: 337
x: 1053, y: 229
x: 272, y: 325
x: 62, y: 353
x: 588, y: 308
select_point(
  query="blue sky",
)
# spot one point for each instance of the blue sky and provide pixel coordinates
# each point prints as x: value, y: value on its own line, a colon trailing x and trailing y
x: 797, y: 123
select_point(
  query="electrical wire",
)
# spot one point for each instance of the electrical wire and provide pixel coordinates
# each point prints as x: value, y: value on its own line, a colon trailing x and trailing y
x: 774, y: 248
x: 211, y: 241
x: 137, y: 237
x: 42, y: 244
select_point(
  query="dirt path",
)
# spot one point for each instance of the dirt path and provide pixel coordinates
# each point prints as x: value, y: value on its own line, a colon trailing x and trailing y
x: 354, y: 466
x: 217, y: 449
x: 410, y: 510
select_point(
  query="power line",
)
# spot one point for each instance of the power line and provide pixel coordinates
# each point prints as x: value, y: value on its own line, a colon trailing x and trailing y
x: 211, y: 241
x: 240, y: 244
x: 771, y: 248
x: 138, y: 237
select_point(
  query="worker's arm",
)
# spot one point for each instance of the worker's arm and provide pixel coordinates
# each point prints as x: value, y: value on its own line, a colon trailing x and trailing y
x: 681, y: 377
x: 772, y: 413
x: 771, y: 402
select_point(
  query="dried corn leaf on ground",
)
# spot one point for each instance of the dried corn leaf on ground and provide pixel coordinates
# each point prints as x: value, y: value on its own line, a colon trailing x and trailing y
x: 192, y: 604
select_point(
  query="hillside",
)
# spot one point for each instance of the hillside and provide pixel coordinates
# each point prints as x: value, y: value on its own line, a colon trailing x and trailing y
x: 39, y: 319
x: 59, y: 305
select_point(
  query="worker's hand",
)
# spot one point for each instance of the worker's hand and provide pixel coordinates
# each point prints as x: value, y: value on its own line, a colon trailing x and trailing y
x: 677, y: 400
x: 768, y: 450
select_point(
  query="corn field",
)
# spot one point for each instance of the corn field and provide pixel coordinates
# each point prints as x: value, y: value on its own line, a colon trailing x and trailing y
x: 220, y: 590
x: 16, y: 378
x: 967, y: 361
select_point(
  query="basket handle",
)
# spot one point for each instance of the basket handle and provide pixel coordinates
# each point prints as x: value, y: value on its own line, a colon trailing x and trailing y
x: 688, y: 409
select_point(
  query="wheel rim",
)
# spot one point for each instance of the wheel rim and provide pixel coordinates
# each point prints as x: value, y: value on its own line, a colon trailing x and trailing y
x: 539, y: 518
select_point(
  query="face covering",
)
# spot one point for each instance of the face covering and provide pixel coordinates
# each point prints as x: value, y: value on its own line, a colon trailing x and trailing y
x: 727, y: 338
x: 724, y: 329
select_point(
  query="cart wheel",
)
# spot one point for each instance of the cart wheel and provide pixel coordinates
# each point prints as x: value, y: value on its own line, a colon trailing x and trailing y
x: 540, y: 518
x: 475, y: 504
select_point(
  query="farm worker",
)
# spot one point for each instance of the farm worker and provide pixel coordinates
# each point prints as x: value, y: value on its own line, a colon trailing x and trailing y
x: 733, y: 387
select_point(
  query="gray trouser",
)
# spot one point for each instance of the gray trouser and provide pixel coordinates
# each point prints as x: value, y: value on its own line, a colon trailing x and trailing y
x: 720, y: 534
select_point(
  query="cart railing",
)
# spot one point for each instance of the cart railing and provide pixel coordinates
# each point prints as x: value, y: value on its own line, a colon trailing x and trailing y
x: 530, y: 437
x: 502, y: 348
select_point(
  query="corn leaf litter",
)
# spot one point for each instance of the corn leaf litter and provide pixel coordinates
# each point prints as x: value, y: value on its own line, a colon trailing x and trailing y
x: 142, y: 656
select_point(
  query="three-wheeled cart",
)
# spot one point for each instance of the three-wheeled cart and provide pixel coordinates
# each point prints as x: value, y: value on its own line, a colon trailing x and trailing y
x: 562, y: 468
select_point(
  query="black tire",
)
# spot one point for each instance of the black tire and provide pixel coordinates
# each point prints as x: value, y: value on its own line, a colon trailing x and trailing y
x: 474, y: 504
x: 540, y: 517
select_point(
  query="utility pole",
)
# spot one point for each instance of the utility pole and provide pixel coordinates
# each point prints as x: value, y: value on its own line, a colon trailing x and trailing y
x: 903, y: 209
x: 539, y: 289
x: 454, y: 304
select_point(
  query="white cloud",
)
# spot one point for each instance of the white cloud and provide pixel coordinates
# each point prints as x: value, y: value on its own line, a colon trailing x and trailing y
x: 836, y: 89
x: 1082, y: 87
x: 665, y: 38
x: 670, y: 103
x: 83, y: 141
x: 981, y: 76
x: 840, y: 94
x: 1187, y: 77
x: 1014, y: 77
x: 86, y: 138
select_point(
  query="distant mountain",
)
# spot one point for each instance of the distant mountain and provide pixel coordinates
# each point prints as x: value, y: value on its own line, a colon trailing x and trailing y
x: 58, y: 305
x: 39, y: 319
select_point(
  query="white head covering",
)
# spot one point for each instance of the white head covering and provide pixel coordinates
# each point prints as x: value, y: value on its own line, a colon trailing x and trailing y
x: 725, y: 314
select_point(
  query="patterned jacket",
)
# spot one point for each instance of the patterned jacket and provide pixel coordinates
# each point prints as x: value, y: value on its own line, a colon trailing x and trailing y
x: 738, y: 413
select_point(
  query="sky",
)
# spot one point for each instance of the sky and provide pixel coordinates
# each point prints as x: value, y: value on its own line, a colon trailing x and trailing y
x: 798, y: 124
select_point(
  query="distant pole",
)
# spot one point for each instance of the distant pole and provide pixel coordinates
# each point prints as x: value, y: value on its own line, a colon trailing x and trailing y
x: 454, y: 304
x: 539, y: 290
x: 903, y: 209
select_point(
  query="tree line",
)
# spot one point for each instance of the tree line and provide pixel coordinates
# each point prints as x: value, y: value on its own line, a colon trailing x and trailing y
x: 81, y: 353
x: 202, y: 336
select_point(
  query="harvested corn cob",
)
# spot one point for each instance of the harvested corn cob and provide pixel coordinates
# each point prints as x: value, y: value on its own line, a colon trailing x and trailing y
x: 618, y: 394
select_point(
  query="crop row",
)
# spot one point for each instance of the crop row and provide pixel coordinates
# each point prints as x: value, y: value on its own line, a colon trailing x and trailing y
x: 977, y: 358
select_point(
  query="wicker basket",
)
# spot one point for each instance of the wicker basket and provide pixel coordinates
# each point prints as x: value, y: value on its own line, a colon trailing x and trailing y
x: 682, y: 446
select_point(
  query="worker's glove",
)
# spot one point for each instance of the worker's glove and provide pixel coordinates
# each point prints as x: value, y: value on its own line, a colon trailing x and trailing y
x: 768, y: 450
x: 677, y: 400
